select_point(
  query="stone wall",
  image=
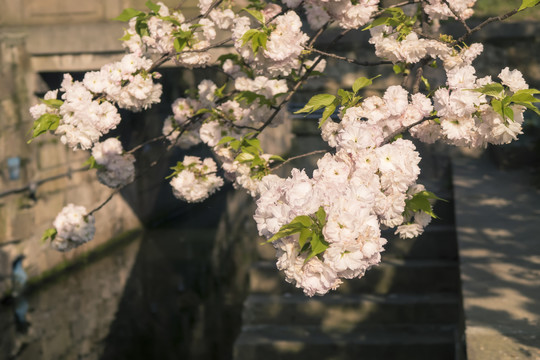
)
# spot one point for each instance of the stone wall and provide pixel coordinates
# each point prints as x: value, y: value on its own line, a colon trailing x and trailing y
x: 25, y: 215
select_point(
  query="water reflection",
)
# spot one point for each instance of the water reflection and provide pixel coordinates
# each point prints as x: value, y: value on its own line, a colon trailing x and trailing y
x: 158, y: 296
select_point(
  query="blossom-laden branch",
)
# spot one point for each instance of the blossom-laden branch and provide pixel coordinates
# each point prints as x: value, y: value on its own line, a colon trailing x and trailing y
x: 326, y: 227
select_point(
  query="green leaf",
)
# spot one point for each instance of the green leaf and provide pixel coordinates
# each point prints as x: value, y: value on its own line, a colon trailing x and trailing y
x: 154, y: 7
x: 527, y: 4
x: 219, y: 91
x: 530, y: 107
x: 54, y: 103
x: 317, y: 102
x: 202, y: 111
x: 92, y: 164
x: 235, y: 145
x: 379, y: 21
x: 305, y: 234
x: 328, y: 111
x: 126, y: 37
x: 420, y: 202
x: 345, y: 95
x: 141, y: 28
x: 248, y: 35
x: 318, y: 246
x: 285, y: 231
x: 521, y: 96
x: 321, y: 217
x: 253, y: 143
x: 128, y: 14
x: 256, y: 14
x: 304, y: 220
x: 45, y: 123
x: 494, y: 89
x: 509, y: 113
x: 177, y: 169
x: 360, y: 83
x: 276, y: 158
x: 426, y: 83
x: 234, y: 57
x: 249, y: 97
x: 49, y: 233
x: 500, y: 108
x: 244, y: 157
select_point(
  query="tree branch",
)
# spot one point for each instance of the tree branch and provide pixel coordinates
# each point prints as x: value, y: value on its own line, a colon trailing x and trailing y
x: 405, y: 128
x: 349, y: 60
x: 298, y: 157
x: 32, y: 186
x: 462, y: 21
x: 488, y: 21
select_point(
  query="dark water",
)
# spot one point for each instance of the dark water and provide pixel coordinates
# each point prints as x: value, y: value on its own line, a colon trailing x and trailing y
x: 174, y: 292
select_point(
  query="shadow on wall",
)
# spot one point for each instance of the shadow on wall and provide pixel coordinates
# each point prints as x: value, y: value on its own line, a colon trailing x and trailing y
x: 500, y: 251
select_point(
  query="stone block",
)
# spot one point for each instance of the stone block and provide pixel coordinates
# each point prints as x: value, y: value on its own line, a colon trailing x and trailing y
x: 51, y: 155
x: 47, y: 207
x: 22, y: 223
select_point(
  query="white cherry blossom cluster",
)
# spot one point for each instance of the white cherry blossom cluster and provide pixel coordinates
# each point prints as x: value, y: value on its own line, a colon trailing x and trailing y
x: 412, y: 48
x: 87, y: 111
x: 229, y: 118
x: 362, y: 188
x: 240, y: 174
x: 126, y: 83
x: 74, y: 228
x: 223, y: 18
x: 117, y: 169
x: 197, y: 180
x: 384, y: 116
x: 160, y: 36
x: 438, y: 9
x: 283, y: 47
x: 83, y: 120
x: 466, y: 117
x: 414, y: 222
x: 345, y: 13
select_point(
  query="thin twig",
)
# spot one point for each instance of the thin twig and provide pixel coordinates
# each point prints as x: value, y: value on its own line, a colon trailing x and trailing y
x: 111, y: 195
x: 299, y: 84
x: 298, y: 157
x: 222, y: 42
x: 149, y: 141
x: 405, y: 128
x: 380, y: 12
x: 419, y: 73
x: 32, y: 186
x: 318, y: 33
x: 207, y: 12
x: 488, y: 21
x: 349, y: 60
x: 461, y: 20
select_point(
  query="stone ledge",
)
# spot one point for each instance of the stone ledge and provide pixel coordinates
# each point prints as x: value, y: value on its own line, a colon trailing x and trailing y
x: 497, y: 225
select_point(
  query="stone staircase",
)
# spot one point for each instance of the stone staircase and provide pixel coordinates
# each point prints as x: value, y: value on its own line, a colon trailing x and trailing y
x: 408, y: 307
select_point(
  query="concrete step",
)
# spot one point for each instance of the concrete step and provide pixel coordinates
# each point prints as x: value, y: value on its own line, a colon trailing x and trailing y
x: 390, y: 276
x: 437, y: 242
x: 398, y: 342
x: 339, y: 311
